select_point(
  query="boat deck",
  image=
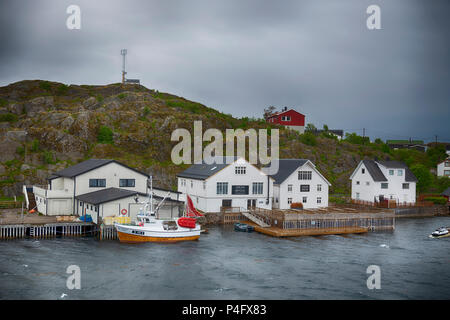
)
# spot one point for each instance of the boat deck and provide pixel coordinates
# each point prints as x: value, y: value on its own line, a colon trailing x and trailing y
x: 278, y: 232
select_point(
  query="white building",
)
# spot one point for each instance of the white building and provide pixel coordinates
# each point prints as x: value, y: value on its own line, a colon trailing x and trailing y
x: 98, y: 187
x: 233, y: 183
x: 380, y: 180
x: 298, y: 180
x: 443, y: 168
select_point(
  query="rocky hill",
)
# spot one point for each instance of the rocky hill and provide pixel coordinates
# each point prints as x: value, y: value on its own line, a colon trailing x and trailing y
x: 46, y: 126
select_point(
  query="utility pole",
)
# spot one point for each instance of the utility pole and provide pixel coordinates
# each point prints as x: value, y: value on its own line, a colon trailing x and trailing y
x: 364, y: 135
x: 123, y: 52
x: 435, y: 136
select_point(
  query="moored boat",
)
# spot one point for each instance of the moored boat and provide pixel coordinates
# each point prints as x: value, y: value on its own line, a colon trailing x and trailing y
x: 242, y: 227
x: 149, y: 228
x: 440, y: 233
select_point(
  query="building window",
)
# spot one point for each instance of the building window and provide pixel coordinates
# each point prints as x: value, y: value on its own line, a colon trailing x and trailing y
x: 357, y: 195
x: 81, y: 203
x: 239, y: 189
x: 319, y: 199
x: 357, y: 183
x: 391, y: 172
x: 289, y: 200
x: 97, y: 183
x: 446, y: 172
x: 363, y: 170
x: 192, y: 184
x: 257, y: 188
x: 384, y: 185
x: 304, y: 175
x: 400, y: 173
x: 289, y: 187
x: 204, y: 185
x: 127, y: 183
x: 405, y: 185
x: 239, y: 170
x: 304, y: 199
x: 304, y: 188
x: 222, y: 187
x: 285, y: 118
x: 96, y: 208
x: 447, y: 163
x: 367, y: 183
x: 319, y: 187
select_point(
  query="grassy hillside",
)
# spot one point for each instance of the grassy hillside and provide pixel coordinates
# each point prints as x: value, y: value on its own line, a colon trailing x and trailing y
x: 46, y: 126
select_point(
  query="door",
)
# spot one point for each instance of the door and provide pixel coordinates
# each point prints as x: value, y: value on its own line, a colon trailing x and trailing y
x: 226, y: 203
x: 251, y: 203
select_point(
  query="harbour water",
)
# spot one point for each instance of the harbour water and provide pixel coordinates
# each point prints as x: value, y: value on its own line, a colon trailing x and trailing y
x: 225, y: 264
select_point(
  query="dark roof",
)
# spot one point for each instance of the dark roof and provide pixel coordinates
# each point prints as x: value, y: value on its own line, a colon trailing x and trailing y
x: 409, y: 176
x: 86, y: 166
x: 162, y: 189
x: 405, y: 142
x: 374, y: 170
x: 446, y: 192
x: 377, y: 174
x: 106, y: 195
x: 286, y: 167
x: 204, y: 171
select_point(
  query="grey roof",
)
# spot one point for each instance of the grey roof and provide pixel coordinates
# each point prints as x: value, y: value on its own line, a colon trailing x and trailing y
x: 374, y: 170
x: 106, y: 195
x: 446, y: 192
x: 203, y: 171
x: 86, y: 166
x: 286, y: 167
x: 377, y: 174
x: 409, y: 176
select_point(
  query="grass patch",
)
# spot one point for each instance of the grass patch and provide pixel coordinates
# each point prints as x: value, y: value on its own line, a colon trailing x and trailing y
x: 105, y: 135
x: 8, y: 117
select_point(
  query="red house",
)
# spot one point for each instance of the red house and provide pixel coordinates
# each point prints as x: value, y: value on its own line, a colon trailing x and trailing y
x: 289, y: 118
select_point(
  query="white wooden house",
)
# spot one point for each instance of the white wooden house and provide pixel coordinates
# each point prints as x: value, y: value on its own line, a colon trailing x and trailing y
x: 233, y: 182
x: 99, y: 187
x: 374, y: 181
x: 443, y: 168
x: 298, y: 180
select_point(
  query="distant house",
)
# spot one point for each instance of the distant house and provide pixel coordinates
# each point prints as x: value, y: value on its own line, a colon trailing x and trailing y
x: 443, y: 168
x: 99, y: 187
x: 335, y: 132
x: 446, y: 193
x: 298, y: 180
x: 406, y: 144
x: 447, y: 149
x: 375, y: 181
x: 288, y: 118
x: 233, y: 182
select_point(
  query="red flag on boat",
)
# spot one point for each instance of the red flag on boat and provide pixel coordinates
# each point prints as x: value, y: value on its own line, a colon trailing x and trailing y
x: 190, y: 209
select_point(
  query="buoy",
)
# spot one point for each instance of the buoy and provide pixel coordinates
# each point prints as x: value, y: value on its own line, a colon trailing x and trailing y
x: 32, y: 211
x: 124, y: 211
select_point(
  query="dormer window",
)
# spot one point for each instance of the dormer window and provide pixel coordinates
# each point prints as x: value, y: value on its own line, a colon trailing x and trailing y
x: 239, y: 170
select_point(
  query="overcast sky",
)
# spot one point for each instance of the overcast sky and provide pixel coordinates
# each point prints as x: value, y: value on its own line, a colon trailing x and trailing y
x: 240, y: 56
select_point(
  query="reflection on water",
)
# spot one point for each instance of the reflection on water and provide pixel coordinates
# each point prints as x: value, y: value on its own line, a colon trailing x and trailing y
x: 231, y: 265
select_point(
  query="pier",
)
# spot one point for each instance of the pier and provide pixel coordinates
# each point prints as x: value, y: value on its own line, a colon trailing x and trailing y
x: 71, y: 229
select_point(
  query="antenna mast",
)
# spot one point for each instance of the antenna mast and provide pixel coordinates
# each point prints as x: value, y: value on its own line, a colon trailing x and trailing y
x: 123, y: 52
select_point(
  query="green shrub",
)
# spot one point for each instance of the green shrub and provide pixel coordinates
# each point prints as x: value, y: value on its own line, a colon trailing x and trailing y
x: 49, y: 157
x: 337, y: 200
x: 99, y: 98
x: 105, y: 135
x: 146, y: 111
x: 308, y: 138
x: 45, y: 85
x: 3, y: 102
x: 436, y: 200
x: 20, y: 150
x: 62, y: 89
x: 35, y: 145
x: 122, y: 95
x: 8, y: 117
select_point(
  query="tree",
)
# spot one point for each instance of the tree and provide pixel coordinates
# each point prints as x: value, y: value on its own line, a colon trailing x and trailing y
x: 269, y: 111
x: 325, y: 128
x: 423, y: 176
x: 310, y: 128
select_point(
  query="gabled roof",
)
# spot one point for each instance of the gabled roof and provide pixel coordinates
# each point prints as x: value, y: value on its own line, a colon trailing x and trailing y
x: 288, y: 166
x: 86, y: 166
x: 281, y: 112
x: 378, y: 176
x: 203, y: 170
x: 106, y: 195
x: 409, y: 176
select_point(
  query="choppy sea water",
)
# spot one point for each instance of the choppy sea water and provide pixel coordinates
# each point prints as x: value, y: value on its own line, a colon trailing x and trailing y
x: 225, y: 264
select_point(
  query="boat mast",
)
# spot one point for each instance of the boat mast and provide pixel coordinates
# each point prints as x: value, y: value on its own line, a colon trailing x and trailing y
x: 151, y: 195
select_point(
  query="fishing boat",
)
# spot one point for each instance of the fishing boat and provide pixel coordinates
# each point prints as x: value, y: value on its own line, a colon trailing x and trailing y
x: 149, y: 228
x: 440, y: 233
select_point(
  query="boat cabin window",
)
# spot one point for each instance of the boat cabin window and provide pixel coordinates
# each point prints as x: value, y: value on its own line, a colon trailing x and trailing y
x: 170, y: 225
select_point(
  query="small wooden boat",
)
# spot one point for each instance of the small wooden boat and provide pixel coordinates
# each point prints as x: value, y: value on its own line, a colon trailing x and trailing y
x: 242, y: 227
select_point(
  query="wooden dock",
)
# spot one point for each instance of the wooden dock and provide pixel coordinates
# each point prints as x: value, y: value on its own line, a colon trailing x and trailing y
x: 278, y: 232
x: 50, y: 230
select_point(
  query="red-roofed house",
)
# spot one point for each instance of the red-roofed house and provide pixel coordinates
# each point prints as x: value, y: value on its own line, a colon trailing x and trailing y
x: 289, y: 118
